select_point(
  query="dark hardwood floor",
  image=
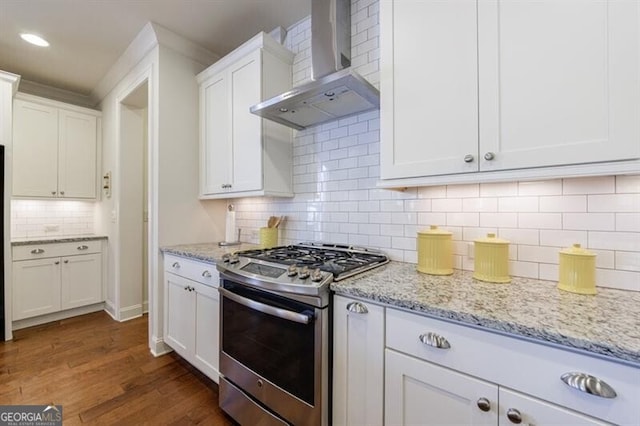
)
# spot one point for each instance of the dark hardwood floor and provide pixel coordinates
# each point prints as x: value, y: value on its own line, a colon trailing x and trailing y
x: 101, y: 372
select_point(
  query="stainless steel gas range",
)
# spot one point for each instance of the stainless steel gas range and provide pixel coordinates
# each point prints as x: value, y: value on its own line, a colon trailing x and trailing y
x: 275, y: 330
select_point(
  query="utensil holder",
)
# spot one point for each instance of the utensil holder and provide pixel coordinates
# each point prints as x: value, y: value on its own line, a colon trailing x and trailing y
x: 268, y: 237
x: 577, y: 272
x: 435, y: 252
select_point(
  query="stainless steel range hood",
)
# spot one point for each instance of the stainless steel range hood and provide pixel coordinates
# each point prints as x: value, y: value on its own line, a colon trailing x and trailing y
x: 336, y: 91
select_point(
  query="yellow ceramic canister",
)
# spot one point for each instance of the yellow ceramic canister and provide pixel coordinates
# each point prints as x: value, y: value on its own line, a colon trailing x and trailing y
x: 491, y: 261
x: 435, y: 252
x: 577, y: 270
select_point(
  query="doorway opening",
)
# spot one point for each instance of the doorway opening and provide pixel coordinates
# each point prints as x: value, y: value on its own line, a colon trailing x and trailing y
x: 133, y: 204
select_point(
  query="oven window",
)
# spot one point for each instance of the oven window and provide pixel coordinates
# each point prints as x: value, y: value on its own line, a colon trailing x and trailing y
x: 277, y: 349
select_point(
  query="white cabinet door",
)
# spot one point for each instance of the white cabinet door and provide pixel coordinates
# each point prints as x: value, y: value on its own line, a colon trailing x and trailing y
x: 559, y: 82
x: 207, y: 329
x: 215, y: 138
x: 35, y: 150
x: 518, y: 408
x: 421, y: 393
x: 180, y: 328
x: 81, y: 280
x: 36, y: 287
x: 358, y: 362
x: 429, y: 87
x: 77, y: 155
x: 246, y: 128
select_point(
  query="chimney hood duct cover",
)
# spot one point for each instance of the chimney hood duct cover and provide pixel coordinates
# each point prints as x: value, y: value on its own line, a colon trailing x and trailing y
x: 336, y: 91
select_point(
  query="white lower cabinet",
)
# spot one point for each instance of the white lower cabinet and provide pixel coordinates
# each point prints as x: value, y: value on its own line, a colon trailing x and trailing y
x: 437, y: 372
x: 49, y: 278
x: 192, y: 312
x: 358, y: 360
x: 419, y: 392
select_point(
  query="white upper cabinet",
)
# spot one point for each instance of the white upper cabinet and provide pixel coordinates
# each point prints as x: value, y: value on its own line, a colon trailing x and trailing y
x: 490, y: 90
x: 240, y: 153
x: 55, y: 148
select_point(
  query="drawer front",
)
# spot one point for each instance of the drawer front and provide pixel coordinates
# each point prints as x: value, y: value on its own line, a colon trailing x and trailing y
x: 41, y: 251
x: 202, y: 272
x: 533, y: 368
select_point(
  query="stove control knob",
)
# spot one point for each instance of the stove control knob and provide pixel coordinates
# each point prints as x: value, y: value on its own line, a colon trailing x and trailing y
x: 304, y: 273
x: 292, y: 271
x: 234, y: 258
x: 316, y: 275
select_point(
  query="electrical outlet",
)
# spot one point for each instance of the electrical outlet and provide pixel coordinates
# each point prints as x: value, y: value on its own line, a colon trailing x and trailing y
x: 471, y: 252
x: 51, y: 228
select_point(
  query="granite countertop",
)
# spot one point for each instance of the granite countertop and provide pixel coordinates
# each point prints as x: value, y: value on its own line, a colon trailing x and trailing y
x: 606, y: 324
x: 56, y: 239
x: 207, y: 252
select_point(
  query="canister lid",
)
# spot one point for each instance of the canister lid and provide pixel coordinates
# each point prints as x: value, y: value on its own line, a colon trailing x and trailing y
x: 433, y: 230
x: 491, y: 239
x: 577, y: 250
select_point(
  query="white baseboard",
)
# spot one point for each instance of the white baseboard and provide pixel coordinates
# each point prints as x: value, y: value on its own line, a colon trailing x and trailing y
x: 110, y: 308
x: 158, y: 347
x: 130, y: 312
x: 145, y: 307
x: 56, y: 316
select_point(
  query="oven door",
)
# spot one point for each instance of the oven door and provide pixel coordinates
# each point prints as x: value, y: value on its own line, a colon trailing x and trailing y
x: 274, y: 349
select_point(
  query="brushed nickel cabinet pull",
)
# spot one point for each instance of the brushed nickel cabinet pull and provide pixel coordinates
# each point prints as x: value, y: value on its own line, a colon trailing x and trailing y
x: 206, y: 274
x: 83, y: 247
x: 588, y: 384
x: 37, y: 251
x: 434, y: 340
x: 175, y: 265
x: 357, y: 308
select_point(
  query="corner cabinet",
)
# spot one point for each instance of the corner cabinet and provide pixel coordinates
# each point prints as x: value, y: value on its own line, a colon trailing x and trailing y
x: 358, y: 361
x: 506, y: 89
x: 241, y: 154
x: 192, y: 307
x: 65, y: 138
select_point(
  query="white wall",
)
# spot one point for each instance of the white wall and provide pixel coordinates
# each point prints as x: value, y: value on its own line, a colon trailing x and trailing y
x: 336, y: 167
x: 175, y: 213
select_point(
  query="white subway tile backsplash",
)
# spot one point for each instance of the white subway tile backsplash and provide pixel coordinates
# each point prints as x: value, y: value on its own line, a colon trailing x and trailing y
x: 540, y: 220
x: 628, y: 184
x: 550, y: 187
x: 463, y: 191
x: 463, y: 219
x: 518, y: 204
x: 613, y: 278
x: 589, y: 221
x: 564, y: 238
x: 628, y: 222
x: 499, y: 220
x: 620, y: 203
x: 566, y: 203
x: 337, y: 166
x: 489, y: 204
x: 500, y: 189
x: 627, y: 261
x: 626, y: 241
x: 589, y: 185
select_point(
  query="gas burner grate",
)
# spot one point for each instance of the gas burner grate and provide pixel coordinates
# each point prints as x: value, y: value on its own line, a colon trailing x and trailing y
x: 339, y: 261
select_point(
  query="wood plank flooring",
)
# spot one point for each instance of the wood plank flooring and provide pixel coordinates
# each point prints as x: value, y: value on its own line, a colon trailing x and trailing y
x: 101, y: 372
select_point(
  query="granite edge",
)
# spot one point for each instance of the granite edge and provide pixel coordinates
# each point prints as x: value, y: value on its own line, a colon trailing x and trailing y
x: 59, y: 239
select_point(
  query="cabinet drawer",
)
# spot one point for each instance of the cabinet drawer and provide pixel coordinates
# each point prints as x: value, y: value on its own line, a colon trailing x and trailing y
x: 532, y: 368
x: 41, y: 251
x: 202, y: 272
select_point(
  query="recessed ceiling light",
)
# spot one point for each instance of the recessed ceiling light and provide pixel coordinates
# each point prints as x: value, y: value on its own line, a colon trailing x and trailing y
x: 34, y: 39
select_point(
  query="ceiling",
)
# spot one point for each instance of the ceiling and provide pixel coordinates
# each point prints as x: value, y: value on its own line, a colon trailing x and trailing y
x: 88, y: 36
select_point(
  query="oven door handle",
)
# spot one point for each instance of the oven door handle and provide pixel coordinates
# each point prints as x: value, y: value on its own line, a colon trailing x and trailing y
x: 270, y: 310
